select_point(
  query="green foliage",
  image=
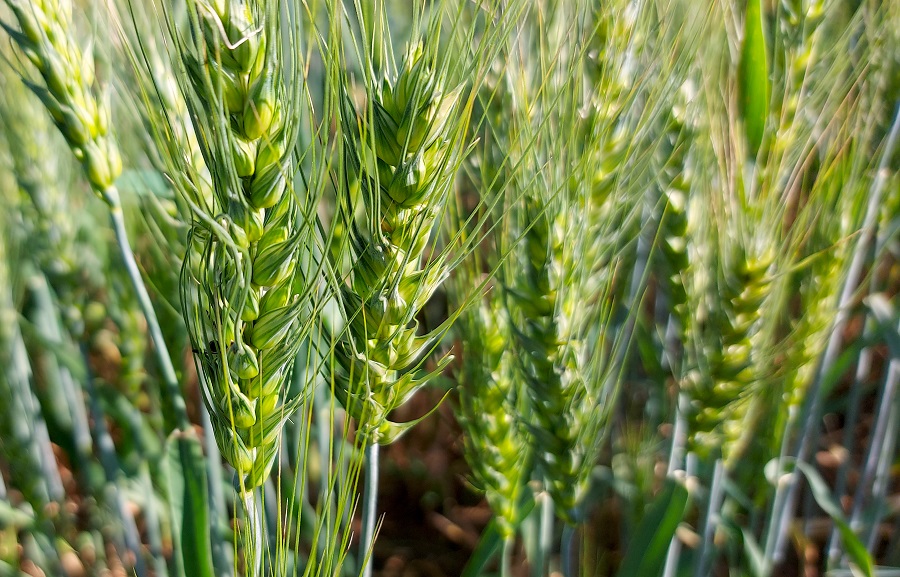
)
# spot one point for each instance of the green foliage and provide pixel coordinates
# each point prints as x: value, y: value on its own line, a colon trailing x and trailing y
x: 646, y: 553
x: 188, y: 498
x: 660, y: 239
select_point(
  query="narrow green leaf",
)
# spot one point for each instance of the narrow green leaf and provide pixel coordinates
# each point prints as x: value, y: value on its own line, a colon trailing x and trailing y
x: 484, y: 551
x: 753, y: 78
x: 759, y: 565
x: 647, y: 551
x: 856, y: 551
x: 186, y: 477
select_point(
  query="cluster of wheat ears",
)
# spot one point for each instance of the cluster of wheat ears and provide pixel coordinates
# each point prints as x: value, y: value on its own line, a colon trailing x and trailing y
x: 648, y: 247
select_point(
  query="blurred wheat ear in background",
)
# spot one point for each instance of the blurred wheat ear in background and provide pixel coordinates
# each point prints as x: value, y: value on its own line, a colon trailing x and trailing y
x: 376, y: 287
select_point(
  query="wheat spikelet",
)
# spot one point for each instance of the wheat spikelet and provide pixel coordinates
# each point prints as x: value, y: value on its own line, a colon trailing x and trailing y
x: 406, y: 154
x: 565, y: 153
x: 551, y: 356
x: 729, y: 370
x: 721, y: 259
x: 606, y: 139
x: 38, y: 169
x: 558, y: 196
x: 498, y: 448
x: 675, y: 180
x: 798, y: 23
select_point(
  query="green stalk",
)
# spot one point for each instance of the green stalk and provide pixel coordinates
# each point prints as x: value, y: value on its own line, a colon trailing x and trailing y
x: 780, y: 498
x: 785, y: 505
x: 254, y: 537
x: 106, y: 450
x: 167, y: 370
x: 881, y: 450
x: 152, y: 524
x: 548, y: 515
x: 863, y: 372
x: 677, y: 458
x: 272, y: 518
x: 506, y: 557
x: 567, y: 550
x: 881, y: 439
x: 221, y: 553
x: 543, y: 536
x: 712, y: 517
x: 682, y: 405
x: 370, y: 504
x: 673, y: 556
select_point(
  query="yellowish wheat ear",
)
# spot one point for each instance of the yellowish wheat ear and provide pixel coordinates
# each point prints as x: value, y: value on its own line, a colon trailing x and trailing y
x: 69, y: 91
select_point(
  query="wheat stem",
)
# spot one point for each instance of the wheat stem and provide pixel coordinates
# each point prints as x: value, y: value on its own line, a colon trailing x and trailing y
x: 255, y: 535
x: 677, y: 459
x: 711, y: 519
x: 540, y: 561
x: 370, y: 506
x: 131, y: 541
x: 221, y: 553
x: 878, y: 458
x: 673, y: 556
x: 162, y: 354
x: 781, y: 515
x: 506, y: 554
x: 848, y: 441
x: 679, y: 434
x: 570, y: 565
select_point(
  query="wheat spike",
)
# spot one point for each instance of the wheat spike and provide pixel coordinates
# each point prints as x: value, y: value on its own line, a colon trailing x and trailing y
x: 406, y: 154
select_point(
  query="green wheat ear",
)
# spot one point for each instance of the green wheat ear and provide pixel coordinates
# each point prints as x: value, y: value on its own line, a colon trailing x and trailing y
x: 498, y: 446
x: 405, y: 150
x: 543, y: 304
x: 244, y: 296
x: 570, y: 143
x: 722, y: 389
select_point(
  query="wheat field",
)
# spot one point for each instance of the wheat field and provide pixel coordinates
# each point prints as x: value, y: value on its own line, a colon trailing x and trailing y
x: 402, y: 288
